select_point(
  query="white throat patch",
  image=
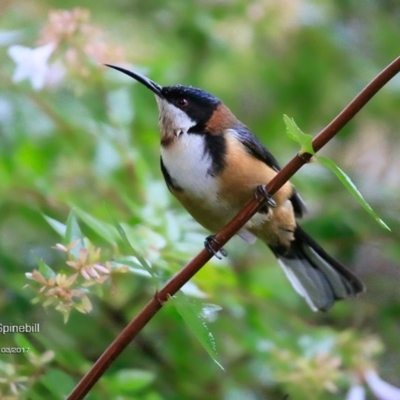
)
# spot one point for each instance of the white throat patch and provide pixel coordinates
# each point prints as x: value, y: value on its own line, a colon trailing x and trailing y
x: 172, y: 120
x: 189, y: 165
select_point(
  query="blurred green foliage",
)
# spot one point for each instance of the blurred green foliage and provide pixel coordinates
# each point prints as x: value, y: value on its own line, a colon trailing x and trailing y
x: 88, y: 140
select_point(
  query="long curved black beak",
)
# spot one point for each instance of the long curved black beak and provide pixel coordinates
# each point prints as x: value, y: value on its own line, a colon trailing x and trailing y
x: 154, y: 87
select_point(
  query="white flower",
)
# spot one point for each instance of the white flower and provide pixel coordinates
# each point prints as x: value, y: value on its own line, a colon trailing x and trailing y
x: 210, y: 312
x: 33, y: 64
x: 356, y: 392
x: 191, y: 289
x: 381, y: 389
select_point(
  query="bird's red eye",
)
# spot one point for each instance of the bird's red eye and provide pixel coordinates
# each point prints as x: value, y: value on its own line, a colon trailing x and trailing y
x: 182, y: 102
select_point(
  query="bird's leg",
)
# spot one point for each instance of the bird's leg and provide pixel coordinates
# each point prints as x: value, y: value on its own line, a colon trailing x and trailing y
x: 261, y: 190
x: 208, y: 245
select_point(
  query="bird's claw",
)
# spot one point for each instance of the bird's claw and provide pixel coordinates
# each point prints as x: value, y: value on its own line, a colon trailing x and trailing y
x: 261, y: 190
x: 208, y: 245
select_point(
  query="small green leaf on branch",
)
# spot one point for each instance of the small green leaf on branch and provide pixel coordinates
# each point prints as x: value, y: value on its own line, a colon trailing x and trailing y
x: 349, y: 185
x: 146, y: 266
x: 296, y: 134
x: 191, y: 312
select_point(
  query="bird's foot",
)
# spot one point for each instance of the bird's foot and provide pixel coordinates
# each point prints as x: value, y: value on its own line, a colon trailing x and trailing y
x: 261, y: 190
x: 208, y: 245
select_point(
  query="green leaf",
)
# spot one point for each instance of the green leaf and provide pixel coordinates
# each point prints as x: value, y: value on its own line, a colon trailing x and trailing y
x: 125, y: 239
x: 296, y: 134
x: 58, y: 226
x: 132, y: 380
x: 45, y: 270
x: 133, y: 264
x: 349, y: 185
x: 305, y: 141
x: 58, y: 383
x: 191, y: 313
x: 106, y: 231
x: 73, y: 234
x: 23, y: 342
x: 73, y: 231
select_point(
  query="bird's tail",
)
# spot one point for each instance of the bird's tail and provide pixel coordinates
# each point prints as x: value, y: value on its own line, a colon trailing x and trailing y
x: 314, y: 274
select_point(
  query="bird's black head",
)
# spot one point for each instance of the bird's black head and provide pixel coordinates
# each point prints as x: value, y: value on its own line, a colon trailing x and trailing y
x: 182, y: 108
x: 198, y: 104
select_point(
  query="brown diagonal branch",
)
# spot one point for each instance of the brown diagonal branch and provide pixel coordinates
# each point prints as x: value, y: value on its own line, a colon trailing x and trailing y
x: 155, y: 304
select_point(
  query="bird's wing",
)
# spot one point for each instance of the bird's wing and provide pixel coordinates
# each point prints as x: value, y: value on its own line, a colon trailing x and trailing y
x: 258, y: 150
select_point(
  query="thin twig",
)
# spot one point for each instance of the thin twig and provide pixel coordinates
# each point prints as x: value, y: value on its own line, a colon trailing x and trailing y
x: 155, y: 304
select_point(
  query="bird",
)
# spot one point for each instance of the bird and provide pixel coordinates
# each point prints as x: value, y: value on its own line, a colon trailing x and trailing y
x: 213, y: 164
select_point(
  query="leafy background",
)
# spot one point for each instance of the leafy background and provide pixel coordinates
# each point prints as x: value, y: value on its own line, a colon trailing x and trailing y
x: 90, y: 142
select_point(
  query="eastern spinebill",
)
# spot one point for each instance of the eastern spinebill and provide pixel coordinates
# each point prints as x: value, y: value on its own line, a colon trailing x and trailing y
x: 212, y: 163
